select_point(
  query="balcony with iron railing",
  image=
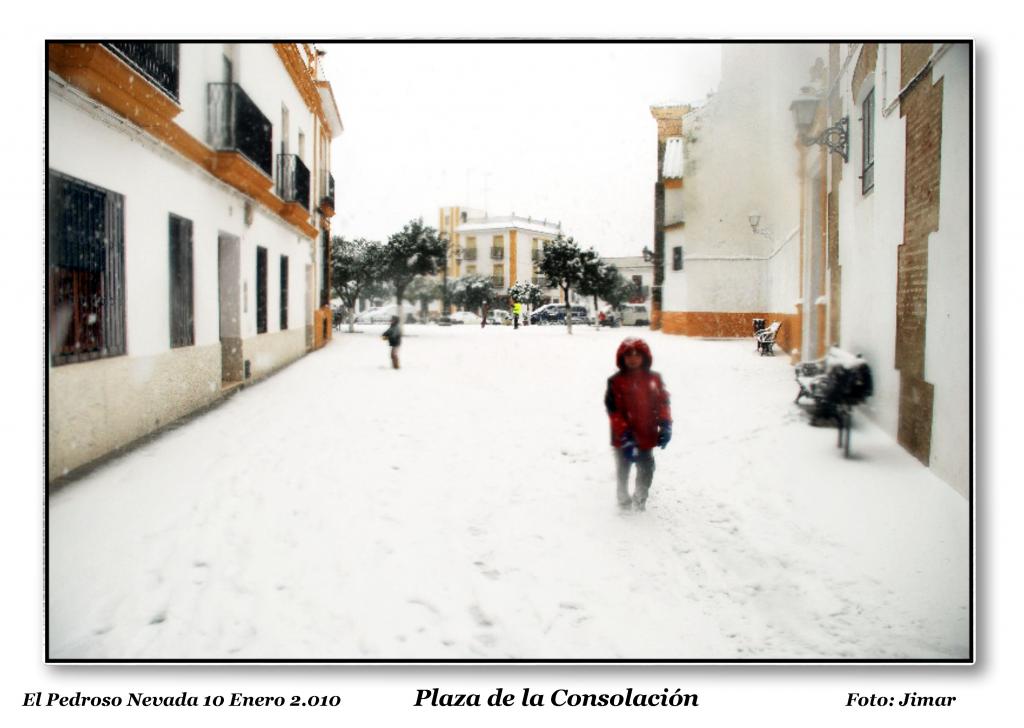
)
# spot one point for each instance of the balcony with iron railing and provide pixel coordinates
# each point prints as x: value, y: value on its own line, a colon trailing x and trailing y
x: 539, y: 281
x: 497, y: 253
x: 237, y: 125
x: 327, y: 201
x: 293, y: 180
x: 469, y: 253
x: 498, y: 281
x: 536, y: 255
x: 158, y: 62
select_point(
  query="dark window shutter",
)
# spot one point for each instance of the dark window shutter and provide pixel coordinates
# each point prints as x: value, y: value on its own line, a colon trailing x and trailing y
x: 261, y: 290
x: 284, y: 293
x: 181, y: 282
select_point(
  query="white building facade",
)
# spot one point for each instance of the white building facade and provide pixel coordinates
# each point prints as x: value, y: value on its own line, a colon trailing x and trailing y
x: 834, y: 196
x: 189, y: 204
x: 898, y: 248
x: 508, y: 249
x: 727, y: 207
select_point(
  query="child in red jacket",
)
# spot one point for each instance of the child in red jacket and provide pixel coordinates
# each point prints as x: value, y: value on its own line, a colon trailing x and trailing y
x: 638, y: 407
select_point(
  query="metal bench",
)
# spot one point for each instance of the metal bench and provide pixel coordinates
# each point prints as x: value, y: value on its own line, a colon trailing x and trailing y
x: 766, y: 339
x: 834, y: 384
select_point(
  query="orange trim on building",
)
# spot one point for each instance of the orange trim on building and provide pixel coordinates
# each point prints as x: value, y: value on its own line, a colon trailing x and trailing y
x: 322, y: 328
x: 730, y: 325
x: 673, y: 184
x: 104, y: 77
x: 512, y: 250
x: 302, y: 77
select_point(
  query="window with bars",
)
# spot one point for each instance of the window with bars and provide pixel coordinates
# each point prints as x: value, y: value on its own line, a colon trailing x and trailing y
x: 85, y: 256
x: 867, y: 176
x: 284, y: 293
x: 261, y: 290
x: 180, y: 258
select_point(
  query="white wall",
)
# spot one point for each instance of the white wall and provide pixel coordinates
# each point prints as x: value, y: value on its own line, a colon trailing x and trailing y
x: 185, y: 191
x: 155, y: 384
x: 947, y: 337
x: 741, y: 157
x: 870, y: 233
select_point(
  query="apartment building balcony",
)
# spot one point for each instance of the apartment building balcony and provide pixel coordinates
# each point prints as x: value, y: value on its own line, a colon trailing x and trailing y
x: 498, y: 281
x: 469, y: 254
x: 536, y: 255
x: 138, y: 81
x: 158, y: 62
x: 497, y: 254
x: 293, y: 187
x: 327, y: 201
x: 241, y: 135
x: 539, y: 280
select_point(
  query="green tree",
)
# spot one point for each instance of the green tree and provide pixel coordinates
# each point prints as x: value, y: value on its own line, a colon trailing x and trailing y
x: 597, y: 275
x: 564, y: 265
x: 357, y: 271
x: 422, y: 291
x: 472, y: 291
x: 617, y: 288
x: 525, y: 292
x: 416, y: 251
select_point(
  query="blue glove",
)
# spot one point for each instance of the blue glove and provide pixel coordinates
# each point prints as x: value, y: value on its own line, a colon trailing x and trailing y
x: 629, y: 448
x: 664, y: 434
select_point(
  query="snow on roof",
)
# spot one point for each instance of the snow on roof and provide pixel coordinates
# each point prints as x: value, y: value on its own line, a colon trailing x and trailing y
x: 504, y: 223
x: 672, y: 167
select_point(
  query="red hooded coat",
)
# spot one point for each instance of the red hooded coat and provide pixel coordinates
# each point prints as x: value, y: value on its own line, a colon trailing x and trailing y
x: 636, y: 400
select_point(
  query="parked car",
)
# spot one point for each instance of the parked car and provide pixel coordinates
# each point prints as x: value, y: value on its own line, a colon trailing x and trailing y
x: 634, y: 314
x: 465, y: 317
x: 499, y: 316
x: 382, y: 315
x: 554, y: 313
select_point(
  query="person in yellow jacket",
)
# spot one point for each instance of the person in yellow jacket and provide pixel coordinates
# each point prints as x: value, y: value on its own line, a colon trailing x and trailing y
x: 517, y: 311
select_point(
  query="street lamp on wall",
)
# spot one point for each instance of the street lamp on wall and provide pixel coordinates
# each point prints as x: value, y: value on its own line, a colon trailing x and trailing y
x: 754, y: 218
x: 836, y: 137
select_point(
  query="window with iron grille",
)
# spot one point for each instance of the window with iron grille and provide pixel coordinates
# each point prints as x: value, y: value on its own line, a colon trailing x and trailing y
x: 677, y: 257
x: 868, y: 152
x: 180, y: 247
x: 284, y: 293
x: 325, y: 270
x: 85, y: 257
x: 261, y: 290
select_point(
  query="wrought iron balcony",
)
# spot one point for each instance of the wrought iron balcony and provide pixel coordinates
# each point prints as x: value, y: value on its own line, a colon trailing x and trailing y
x: 292, y: 179
x: 497, y: 253
x: 237, y: 125
x: 536, y: 255
x: 158, y: 62
x: 469, y: 253
x: 539, y: 281
x: 498, y: 281
x: 328, y: 198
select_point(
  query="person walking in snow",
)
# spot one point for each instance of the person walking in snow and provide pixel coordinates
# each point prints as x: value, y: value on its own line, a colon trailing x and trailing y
x: 638, y: 409
x: 393, y: 334
x: 517, y: 311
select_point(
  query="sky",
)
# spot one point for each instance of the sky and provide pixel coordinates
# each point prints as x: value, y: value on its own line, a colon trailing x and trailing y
x: 561, y: 131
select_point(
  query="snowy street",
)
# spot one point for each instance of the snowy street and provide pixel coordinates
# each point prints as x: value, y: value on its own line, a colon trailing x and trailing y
x: 463, y: 507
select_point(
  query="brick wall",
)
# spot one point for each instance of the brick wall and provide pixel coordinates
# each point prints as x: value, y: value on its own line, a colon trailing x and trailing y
x: 921, y: 106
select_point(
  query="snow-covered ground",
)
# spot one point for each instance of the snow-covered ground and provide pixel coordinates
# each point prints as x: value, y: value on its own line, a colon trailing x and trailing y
x: 463, y: 507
